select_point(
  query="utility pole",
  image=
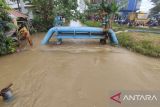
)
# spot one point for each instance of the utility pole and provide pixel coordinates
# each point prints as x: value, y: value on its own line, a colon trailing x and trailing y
x: 22, y: 6
x: 18, y: 5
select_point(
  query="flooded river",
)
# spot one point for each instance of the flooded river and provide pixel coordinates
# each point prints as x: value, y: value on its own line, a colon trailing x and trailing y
x: 78, y: 73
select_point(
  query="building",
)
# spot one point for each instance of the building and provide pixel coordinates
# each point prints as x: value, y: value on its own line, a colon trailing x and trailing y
x: 129, y: 5
x: 23, y: 7
x: 134, y: 5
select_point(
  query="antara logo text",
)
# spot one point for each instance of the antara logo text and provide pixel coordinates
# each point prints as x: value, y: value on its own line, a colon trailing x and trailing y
x: 119, y: 98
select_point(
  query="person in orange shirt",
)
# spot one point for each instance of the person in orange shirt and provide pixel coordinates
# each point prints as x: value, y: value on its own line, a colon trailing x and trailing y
x: 25, y: 34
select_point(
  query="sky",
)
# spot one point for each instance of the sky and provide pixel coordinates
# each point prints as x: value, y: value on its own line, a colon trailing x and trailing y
x: 146, y: 5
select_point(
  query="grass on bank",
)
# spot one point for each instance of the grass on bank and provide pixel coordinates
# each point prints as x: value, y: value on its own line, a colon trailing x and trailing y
x: 91, y: 23
x: 117, y: 27
x: 144, y: 43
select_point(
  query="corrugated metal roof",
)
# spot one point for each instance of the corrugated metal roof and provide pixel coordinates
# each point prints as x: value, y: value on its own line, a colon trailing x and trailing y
x: 17, y: 14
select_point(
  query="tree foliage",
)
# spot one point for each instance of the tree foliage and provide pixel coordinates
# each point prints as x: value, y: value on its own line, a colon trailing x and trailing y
x: 106, y: 7
x: 46, y: 10
x: 3, y: 12
x: 156, y: 9
x: 3, y: 4
x: 67, y: 8
x: 6, y: 43
x: 155, y: 1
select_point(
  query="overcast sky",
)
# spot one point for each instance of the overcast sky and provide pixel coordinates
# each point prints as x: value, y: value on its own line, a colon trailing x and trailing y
x: 146, y: 5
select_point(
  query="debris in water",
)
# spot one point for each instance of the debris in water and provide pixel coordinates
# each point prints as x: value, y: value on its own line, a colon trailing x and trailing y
x: 6, y: 93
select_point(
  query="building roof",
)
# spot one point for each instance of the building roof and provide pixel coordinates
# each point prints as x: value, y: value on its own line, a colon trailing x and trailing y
x: 17, y: 14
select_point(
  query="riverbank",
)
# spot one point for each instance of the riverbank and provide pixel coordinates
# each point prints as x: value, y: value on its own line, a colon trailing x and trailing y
x: 117, y: 27
x: 144, y: 43
x: 147, y: 43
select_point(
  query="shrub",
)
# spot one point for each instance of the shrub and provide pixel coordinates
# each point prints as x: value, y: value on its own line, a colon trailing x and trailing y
x: 93, y: 23
x: 40, y: 25
x: 144, y: 46
x: 7, y: 45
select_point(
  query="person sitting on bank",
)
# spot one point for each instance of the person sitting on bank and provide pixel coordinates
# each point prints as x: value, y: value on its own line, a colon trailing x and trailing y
x: 25, y: 34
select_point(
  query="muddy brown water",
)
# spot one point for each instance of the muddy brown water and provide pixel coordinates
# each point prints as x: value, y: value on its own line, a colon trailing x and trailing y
x: 79, y: 73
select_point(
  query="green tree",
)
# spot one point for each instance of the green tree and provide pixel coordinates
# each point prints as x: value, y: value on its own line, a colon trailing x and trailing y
x: 6, y: 43
x: 156, y: 9
x: 43, y: 14
x: 46, y: 10
x: 67, y: 8
x: 3, y: 4
x: 155, y: 1
x: 106, y: 8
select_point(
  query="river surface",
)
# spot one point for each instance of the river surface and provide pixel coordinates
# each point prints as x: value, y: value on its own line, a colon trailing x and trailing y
x: 78, y: 73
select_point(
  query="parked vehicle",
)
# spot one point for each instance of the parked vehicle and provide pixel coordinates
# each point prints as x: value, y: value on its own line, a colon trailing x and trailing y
x: 122, y: 21
x: 153, y: 23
